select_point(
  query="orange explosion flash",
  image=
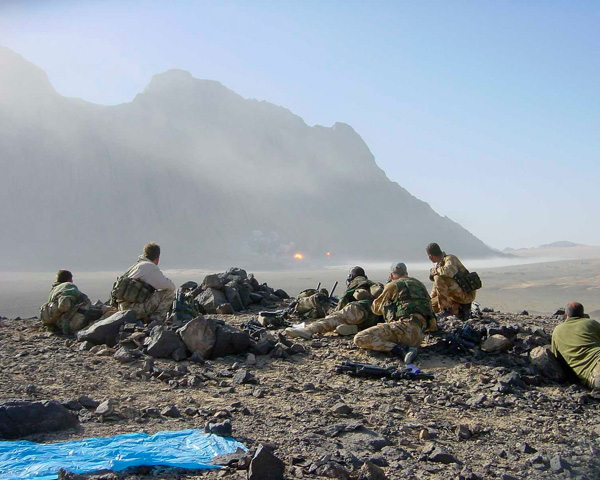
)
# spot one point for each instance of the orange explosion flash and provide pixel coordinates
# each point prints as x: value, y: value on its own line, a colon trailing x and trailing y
x: 328, y: 254
x: 298, y: 256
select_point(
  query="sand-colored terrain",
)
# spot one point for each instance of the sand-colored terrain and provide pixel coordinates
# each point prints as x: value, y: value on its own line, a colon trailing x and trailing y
x: 535, y: 287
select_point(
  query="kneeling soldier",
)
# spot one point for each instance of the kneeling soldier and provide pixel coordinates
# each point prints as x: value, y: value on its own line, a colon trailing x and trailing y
x: 406, y: 307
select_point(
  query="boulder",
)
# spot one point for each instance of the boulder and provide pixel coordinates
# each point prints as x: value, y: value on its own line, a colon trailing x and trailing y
x: 237, y: 272
x: 225, y: 309
x: 212, y: 281
x: 245, y: 290
x: 496, y: 344
x: 199, y: 336
x: 211, y: 298
x: 370, y: 471
x: 233, y: 297
x: 265, y: 465
x: 163, y: 343
x: 230, y: 341
x: 547, y: 364
x: 106, y: 331
x: 282, y: 294
x: 21, y: 418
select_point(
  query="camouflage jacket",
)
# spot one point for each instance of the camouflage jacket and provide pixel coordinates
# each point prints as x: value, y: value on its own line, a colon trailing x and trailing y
x: 403, y: 298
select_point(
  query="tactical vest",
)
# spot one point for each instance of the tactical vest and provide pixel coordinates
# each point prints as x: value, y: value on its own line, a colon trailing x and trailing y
x: 412, y: 298
x: 64, y: 300
x: 131, y: 290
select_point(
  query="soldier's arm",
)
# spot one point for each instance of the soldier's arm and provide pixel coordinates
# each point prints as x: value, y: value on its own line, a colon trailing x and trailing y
x: 448, y: 268
x: 386, y: 297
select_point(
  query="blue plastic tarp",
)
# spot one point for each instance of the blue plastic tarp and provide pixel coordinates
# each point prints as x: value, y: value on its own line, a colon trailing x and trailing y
x: 192, y: 449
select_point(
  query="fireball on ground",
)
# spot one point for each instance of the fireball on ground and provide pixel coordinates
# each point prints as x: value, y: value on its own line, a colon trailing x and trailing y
x: 328, y: 254
x: 298, y: 256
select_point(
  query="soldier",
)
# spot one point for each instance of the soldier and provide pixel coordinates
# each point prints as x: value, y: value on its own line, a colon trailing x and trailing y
x: 312, y: 303
x: 150, y: 294
x: 406, y: 307
x: 353, y: 310
x: 68, y: 308
x: 577, y: 342
x: 447, y: 297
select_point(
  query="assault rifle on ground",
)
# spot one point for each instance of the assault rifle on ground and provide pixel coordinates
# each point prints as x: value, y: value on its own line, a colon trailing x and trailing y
x: 463, y: 339
x: 355, y: 369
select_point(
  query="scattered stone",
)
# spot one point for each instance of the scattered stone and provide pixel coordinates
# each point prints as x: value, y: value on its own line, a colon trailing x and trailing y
x: 441, y: 455
x: 106, y: 408
x: 463, y: 432
x: 163, y: 343
x: 243, y: 377
x: 342, y: 409
x: 171, y: 411
x: 370, y: 471
x: 225, y: 309
x: 496, y: 344
x: 265, y: 465
x: 21, y: 418
x: 547, y: 364
x: 87, y: 402
x: 211, y: 298
x: 223, y: 429
x: 525, y: 448
x: 557, y: 464
x: 106, y: 331
x: 524, y: 312
x: 230, y: 341
x: 125, y: 355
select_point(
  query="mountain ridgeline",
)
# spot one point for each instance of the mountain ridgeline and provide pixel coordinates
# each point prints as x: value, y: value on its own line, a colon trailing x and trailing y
x: 216, y: 179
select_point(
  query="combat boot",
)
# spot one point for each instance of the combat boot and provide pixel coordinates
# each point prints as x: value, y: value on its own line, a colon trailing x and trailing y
x: 464, y: 312
x: 295, y: 332
x: 344, y: 329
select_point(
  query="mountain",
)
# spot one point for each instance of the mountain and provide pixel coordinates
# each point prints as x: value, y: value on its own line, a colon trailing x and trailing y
x: 216, y: 179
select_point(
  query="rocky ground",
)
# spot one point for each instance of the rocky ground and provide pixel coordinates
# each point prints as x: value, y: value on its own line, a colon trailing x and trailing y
x: 483, y: 415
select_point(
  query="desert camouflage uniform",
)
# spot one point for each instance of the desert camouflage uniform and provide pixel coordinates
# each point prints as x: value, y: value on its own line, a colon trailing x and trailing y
x: 312, y: 304
x: 446, y: 294
x: 406, y: 307
x: 354, y: 307
x: 156, y: 307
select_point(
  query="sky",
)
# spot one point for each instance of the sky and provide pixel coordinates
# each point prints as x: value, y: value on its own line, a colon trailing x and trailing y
x: 489, y: 111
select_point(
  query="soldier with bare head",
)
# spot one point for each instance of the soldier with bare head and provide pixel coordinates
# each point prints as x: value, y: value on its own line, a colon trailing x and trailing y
x: 447, y: 296
x: 144, y: 289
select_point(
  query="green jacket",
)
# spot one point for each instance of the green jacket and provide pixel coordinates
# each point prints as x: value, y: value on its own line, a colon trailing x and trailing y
x: 60, y: 289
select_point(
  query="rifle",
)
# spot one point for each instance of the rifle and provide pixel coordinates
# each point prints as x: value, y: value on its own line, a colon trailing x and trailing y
x: 355, y: 369
x: 332, y: 300
x: 463, y: 339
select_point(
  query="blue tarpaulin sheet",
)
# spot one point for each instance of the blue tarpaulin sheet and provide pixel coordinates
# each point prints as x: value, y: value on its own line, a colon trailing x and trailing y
x: 192, y: 449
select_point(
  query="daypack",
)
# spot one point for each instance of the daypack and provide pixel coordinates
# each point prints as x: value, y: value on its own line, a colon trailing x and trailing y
x: 412, y: 298
x: 132, y: 290
x: 468, y: 281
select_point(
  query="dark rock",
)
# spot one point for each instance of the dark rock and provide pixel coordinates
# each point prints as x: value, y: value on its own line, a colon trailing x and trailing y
x: 463, y: 432
x: 179, y: 354
x: 230, y: 341
x: 73, y: 405
x: 106, y: 331
x: 243, y: 376
x: 265, y: 465
x: 559, y: 313
x: 281, y: 294
x: 107, y: 407
x: 496, y: 344
x: 126, y: 355
x: 21, y: 418
x: 87, y: 402
x: 264, y: 345
x: 256, y: 298
x: 513, y: 379
x: 240, y: 273
x: 525, y: 448
x: 199, y: 335
x: 441, y: 455
x: 212, y: 281
x: 524, y: 312
x: 172, y: 412
x: 225, y: 309
x: 211, y: 298
x: 557, y: 464
x: 233, y: 297
x: 85, y: 346
x: 342, y: 409
x: 239, y: 460
x: 163, y: 343
x: 223, y: 429
x: 196, y: 358
x: 547, y: 364
x: 370, y: 471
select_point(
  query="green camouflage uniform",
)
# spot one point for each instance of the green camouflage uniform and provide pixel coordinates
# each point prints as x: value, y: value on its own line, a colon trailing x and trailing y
x: 446, y: 294
x: 312, y: 304
x: 68, y: 300
x: 406, y: 307
x: 354, y: 307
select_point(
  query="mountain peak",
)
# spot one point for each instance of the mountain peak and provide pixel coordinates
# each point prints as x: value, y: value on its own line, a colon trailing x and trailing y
x: 18, y: 77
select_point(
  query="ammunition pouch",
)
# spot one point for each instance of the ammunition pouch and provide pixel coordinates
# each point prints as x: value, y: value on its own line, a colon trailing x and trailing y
x: 468, y: 281
x: 131, y: 290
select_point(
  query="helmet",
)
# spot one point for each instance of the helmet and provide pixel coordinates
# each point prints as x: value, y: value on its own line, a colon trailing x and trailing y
x: 355, y: 272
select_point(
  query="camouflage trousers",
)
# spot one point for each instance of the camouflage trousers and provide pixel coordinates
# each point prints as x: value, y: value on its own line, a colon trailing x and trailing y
x: 351, y: 314
x: 73, y: 322
x: 311, y: 307
x: 594, y: 382
x: 447, y: 295
x: 385, y: 336
x: 155, y: 308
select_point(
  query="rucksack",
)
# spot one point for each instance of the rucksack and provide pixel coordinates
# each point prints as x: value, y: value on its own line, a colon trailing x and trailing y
x: 468, y: 281
x: 131, y: 290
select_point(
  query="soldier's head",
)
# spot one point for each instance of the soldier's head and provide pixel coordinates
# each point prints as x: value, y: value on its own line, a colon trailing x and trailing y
x: 63, y: 276
x: 355, y: 272
x: 152, y: 252
x: 398, y: 270
x: 574, y: 309
x: 434, y: 252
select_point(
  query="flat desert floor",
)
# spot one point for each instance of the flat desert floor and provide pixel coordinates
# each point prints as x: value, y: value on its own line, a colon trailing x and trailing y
x: 539, y: 288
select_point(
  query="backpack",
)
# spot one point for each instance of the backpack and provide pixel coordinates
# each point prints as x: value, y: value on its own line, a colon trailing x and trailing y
x: 131, y: 290
x: 412, y: 298
x: 468, y: 281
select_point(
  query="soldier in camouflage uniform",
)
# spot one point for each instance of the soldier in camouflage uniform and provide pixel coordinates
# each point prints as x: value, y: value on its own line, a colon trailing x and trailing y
x: 446, y: 295
x: 68, y: 309
x: 312, y: 303
x: 406, y: 308
x: 157, y: 305
x: 353, y: 310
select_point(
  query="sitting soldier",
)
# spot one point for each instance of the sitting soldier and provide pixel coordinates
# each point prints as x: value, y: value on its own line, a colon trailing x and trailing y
x: 577, y: 342
x: 68, y: 309
x: 447, y: 296
x: 353, y: 310
x: 406, y: 308
x: 144, y: 289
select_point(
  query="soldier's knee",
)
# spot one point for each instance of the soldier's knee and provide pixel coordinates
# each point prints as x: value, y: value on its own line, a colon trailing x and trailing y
x: 362, y: 339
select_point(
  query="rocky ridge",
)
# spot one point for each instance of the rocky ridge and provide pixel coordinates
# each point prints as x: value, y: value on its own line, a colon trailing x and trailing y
x: 484, y: 415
